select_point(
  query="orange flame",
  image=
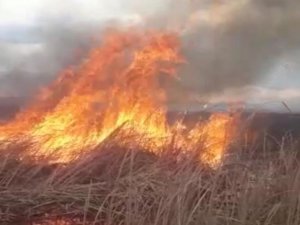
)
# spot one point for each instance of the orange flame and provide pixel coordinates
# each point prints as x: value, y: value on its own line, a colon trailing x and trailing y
x: 117, y: 87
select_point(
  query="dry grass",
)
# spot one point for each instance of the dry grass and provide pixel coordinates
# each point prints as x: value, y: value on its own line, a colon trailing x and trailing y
x: 117, y: 186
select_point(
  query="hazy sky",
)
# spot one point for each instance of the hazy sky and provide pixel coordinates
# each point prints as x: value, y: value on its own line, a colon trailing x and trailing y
x: 31, y: 11
x: 17, y: 17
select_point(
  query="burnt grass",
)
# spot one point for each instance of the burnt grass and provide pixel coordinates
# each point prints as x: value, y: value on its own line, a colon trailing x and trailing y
x: 257, y: 183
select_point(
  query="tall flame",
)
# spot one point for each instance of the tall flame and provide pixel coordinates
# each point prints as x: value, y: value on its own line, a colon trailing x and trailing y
x: 117, y: 87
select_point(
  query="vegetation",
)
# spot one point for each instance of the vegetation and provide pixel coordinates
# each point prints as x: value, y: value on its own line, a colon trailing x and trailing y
x: 113, y: 186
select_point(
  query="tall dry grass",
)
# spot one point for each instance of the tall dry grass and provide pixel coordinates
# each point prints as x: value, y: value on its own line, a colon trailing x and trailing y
x: 114, y: 186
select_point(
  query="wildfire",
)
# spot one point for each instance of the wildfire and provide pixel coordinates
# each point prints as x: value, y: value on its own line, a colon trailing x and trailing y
x: 118, y: 88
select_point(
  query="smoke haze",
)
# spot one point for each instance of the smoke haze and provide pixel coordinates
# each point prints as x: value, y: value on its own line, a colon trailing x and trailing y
x: 227, y: 43
x: 237, y: 43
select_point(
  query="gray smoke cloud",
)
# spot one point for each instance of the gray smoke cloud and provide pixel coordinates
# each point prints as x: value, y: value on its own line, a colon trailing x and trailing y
x: 62, y: 35
x: 235, y: 43
x: 227, y: 43
x: 28, y: 66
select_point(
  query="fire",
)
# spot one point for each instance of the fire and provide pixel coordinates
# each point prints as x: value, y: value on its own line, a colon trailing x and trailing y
x: 118, y: 88
x: 219, y: 131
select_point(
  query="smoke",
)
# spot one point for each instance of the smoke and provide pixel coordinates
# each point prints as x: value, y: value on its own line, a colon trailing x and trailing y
x: 26, y: 67
x: 57, y: 41
x: 236, y: 43
x: 227, y: 43
x: 61, y: 36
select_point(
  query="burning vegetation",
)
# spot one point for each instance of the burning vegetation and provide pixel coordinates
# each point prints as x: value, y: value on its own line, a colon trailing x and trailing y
x: 118, y: 90
x: 96, y: 147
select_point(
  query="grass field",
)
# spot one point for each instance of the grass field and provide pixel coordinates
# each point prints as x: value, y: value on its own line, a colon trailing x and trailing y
x: 113, y: 186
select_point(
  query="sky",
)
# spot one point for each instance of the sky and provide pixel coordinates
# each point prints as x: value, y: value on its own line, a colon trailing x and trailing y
x: 20, y: 19
x: 18, y: 12
x: 31, y: 12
